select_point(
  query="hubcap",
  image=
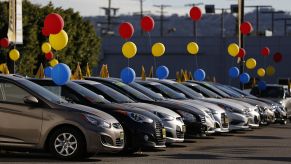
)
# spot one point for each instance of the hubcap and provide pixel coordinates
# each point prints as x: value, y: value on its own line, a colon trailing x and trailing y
x: 66, y: 144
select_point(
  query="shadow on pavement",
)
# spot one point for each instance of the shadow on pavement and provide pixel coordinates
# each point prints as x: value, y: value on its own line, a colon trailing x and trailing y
x: 261, y: 137
x: 135, y: 155
x: 277, y: 159
x: 193, y: 156
x: 176, y: 146
x: 36, y: 157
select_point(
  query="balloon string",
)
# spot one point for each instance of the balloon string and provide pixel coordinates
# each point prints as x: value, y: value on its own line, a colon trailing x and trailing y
x: 155, y: 63
x: 196, y: 60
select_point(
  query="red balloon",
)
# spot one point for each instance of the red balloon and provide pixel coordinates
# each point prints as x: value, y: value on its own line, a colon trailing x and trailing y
x: 265, y: 51
x: 49, y: 56
x: 195, y: 13
x: 53, y: 23
x: 242, y: 53
x: 45, y: 32
x: 4, y: 42
x: 126, y: 30
x: 246, y: 28
x: 277, y: 57
x: 147, y: 23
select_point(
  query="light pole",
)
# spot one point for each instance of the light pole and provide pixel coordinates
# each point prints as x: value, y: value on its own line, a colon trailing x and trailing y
x: 273, y: 13
x: 285, y: 24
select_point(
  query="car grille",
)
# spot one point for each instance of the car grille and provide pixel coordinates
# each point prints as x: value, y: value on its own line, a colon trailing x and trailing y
x: 118, y: 142
x: 159, y: 134
x: 203, y: 120
x: 117, y: 125
x: 224, y: 120
x: 179, y: 132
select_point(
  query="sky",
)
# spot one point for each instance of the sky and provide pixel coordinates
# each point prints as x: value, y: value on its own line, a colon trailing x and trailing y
x: 92, y: 7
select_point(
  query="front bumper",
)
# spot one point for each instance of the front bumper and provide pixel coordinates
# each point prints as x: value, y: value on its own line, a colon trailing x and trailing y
x: 175, y: 133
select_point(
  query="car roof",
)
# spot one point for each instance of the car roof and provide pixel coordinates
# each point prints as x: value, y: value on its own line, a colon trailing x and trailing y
x: 164, y: 80
x: 148, y: 82
x: 12, y: 76
x: 86, y: 82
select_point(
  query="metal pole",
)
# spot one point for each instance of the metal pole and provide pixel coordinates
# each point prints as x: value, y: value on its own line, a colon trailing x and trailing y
x: 222, y: 23
x: 162, y: 21
x: 273, y: 14
x: 257, y: 20
x: 109, y: 15
x: 141, y: 14
x: 241, y: 37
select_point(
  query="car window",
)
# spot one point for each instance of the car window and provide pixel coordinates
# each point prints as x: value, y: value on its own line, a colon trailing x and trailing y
x: 147, y: 91
x: 187, y: 91
x: 269, y: 92
x: 12, y: 93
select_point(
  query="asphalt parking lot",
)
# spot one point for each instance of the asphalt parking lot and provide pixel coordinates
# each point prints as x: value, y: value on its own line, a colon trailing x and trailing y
x: 264, y: 145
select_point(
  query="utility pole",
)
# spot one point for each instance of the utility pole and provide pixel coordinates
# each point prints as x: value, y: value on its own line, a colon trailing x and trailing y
x: 241, y: 13
x: 273, y: 13
x: 162, y: 13
x: 194, y: 22
x: 108, y: 12
x: 141, y: 14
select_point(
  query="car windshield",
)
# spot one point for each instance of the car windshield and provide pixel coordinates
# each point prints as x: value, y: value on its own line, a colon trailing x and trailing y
x: 187, y: 91
x: 242, y: 92
x: 113, y: 94
x: 269, y: 92
x: 43, y: 92
x: 214, y: 89
x: 228, y: 91
x: 166, y: 91
x: 86, y: 93
x: 204, y: 91
x: 147, y: 91
x: 133, y: 91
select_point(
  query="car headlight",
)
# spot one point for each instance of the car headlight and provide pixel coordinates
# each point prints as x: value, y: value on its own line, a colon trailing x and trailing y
x: 164, y: 117
x: 188, y: 116
x: 97, y: 121
x: 139, y: 118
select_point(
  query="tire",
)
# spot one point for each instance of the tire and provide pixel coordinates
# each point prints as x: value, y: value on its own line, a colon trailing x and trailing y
x: 67, y: 143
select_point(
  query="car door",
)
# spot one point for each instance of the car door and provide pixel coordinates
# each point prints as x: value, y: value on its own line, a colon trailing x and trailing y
x: 20, y: 123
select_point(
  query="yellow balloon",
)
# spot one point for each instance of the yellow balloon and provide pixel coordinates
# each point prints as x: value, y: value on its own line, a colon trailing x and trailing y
x: 14, y: 54
x: 129, y: 50
x: 46, y: 47
x: 270, y: 70
x: 261, y: 72
x: 158, y: 49
x: 193, y: 48
x: 59, y: 41
x: 251, y: 63
x: 233, y: 49
x: 54, y: 62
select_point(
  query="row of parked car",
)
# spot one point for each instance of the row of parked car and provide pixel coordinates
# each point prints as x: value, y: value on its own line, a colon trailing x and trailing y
x: 104, y: 115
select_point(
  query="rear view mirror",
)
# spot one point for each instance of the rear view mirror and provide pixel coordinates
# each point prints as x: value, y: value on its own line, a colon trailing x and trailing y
x: 31, y: 100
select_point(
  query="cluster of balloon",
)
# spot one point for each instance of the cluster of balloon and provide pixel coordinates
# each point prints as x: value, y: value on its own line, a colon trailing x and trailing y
x: 162, y: 72
x: 246, y: 28
x: 127, y: 75
x: 58, y: 40
x: 199, y: 75
x: 244, y: 78
x: 233, y: 72
x: 262, y: 85
x: 233, y: 49
x: 261, y: 72
x: 4, y: 42
x: 277, y: 57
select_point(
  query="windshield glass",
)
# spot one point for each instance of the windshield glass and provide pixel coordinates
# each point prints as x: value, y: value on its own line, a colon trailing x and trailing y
x: 269, y: 92
x: 116, y: 96
x: 204, y: 91
x: 214, y: 89
x: 165, y: 91
x: 228, y: 91
x: 133, y: 91
x: 42, y: 91
x: 242, y: 92
x: 147, y: 91
x: 86, y: 93
x: 187, y: 91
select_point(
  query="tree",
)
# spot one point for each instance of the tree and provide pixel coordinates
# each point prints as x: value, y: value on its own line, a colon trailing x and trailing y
x: 83, y: 46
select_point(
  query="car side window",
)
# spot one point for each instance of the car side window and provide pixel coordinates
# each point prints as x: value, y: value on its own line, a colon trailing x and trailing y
x: 12, y: 93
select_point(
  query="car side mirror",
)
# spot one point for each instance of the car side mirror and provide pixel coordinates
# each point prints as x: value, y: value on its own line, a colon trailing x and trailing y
x: 31, y: 100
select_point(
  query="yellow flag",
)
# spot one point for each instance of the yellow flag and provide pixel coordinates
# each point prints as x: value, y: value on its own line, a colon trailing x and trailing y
x: 102, y: 72
x: 106, y: 71
x: 254, y: 82
x: 178, y: 77
x: 190, y: 76
x: 4, y: 68
x: 78, y: 73
x: 88, y: 71
x: 143, y: 74
x: 40, y: 72
x: 151, y: 74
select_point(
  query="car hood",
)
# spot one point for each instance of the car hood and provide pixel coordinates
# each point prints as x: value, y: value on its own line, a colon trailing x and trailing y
x: 226, y: 102
x: 255, y: 102
x: 247, y: 105
x: 154, y: 108
x: 211, y: 106
x: 89, y: 110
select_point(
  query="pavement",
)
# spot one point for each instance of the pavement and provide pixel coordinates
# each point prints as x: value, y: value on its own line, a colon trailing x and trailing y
x: 266, y: 145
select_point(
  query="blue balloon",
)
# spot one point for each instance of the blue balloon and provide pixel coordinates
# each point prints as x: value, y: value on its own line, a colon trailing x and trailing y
x: 162, y: 72
x: 244, y: 78
x: 48, y: 72
x: 61, y: 74
x: 127, y: 75
x: 199, y: 75
x: 233, y: 72
x: 262, y: 85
